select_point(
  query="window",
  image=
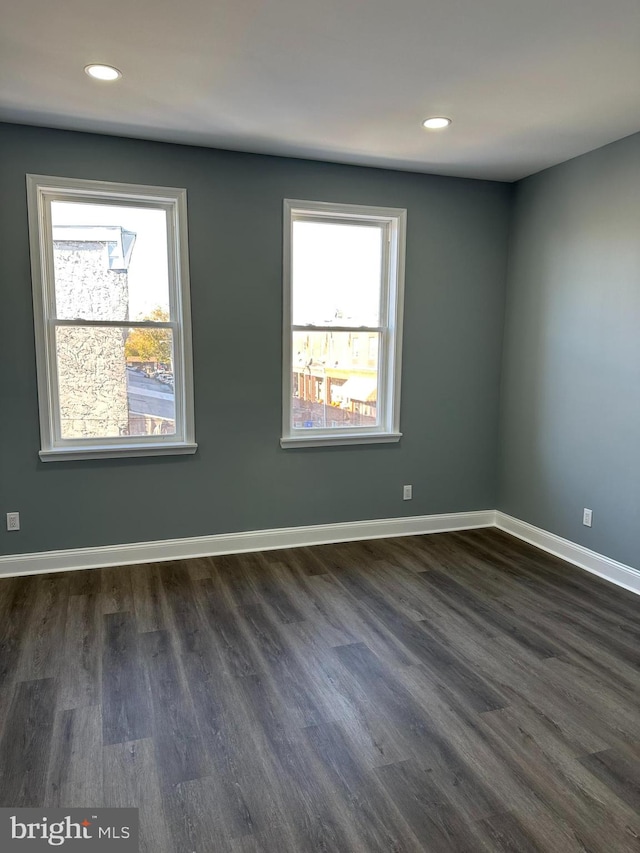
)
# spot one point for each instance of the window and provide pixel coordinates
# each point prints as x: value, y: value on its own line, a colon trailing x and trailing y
x: 343, y: 294
x: 112, y: 321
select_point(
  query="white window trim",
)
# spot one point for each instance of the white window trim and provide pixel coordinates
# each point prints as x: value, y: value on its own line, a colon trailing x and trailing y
x: 41, y: 191
x: 391, y: 332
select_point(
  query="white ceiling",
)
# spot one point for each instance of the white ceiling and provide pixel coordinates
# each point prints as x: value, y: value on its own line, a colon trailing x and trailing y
x: 528, y: 83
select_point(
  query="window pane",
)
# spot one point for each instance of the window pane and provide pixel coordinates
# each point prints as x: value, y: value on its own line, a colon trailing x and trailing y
x: 115, y: 382
x: 336, y: 274
x: 335, y: 380
x: 110, y: 262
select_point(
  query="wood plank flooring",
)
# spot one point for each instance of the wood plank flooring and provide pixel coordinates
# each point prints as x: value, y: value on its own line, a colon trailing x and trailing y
x: 450, y: 693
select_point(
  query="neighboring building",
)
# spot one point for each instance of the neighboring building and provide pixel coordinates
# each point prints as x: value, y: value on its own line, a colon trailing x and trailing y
x: 335, y: 378
x: 91, y: 278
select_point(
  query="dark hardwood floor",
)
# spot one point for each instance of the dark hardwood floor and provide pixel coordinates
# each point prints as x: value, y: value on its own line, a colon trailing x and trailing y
x: 453, y: 692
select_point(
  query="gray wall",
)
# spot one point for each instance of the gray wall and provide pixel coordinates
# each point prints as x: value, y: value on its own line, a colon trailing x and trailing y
x: 570, y: 424
x: 241, y: 479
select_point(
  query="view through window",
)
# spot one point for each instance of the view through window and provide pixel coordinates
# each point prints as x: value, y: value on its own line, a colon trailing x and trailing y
x: 336, y: 282
x: 110, y: 264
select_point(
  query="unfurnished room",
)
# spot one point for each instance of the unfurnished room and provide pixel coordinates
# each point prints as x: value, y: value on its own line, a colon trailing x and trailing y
x: 320, y: 426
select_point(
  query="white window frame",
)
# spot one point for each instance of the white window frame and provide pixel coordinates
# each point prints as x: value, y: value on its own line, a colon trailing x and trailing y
x: 41, y: 191
x: 393, y: 221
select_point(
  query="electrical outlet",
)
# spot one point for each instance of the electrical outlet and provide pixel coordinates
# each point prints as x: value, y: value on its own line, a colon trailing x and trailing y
x: 587, y: 517
x: 13, y: 521
x: 407, y: 493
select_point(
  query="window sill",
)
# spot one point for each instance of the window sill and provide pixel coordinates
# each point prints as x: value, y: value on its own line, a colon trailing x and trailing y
x: 71, y: 454
x: 337, y: 440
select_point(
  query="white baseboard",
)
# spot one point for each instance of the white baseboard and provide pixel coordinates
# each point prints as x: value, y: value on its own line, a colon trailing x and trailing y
x: 597, y: 564
x: 235, y: 543
x: 317, y: 534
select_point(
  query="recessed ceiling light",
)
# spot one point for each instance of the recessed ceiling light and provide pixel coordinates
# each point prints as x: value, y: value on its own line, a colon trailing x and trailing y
x: 103, y: 72
x: 436, y: 122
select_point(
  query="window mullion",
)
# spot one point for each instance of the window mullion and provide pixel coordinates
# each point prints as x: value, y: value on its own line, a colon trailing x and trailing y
x: 116, y: 324
x: 325, y: 329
